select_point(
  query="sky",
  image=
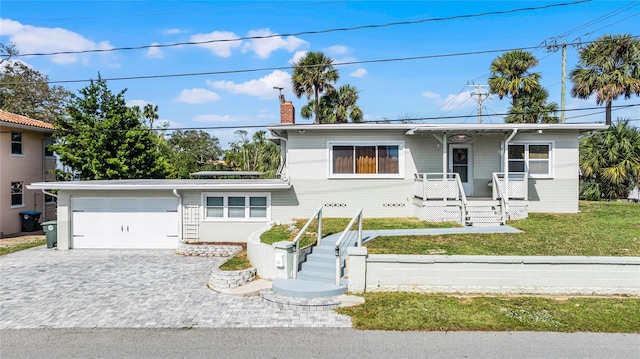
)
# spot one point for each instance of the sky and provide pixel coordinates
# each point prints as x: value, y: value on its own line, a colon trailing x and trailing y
x: 425, y: 68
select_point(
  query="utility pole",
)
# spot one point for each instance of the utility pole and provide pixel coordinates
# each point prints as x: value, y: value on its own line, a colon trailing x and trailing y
x: 563, y: 97
x: 481, y: 96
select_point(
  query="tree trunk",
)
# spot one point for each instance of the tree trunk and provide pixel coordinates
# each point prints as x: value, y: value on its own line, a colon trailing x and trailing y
x: 317, y: 107
x: 608, y: 113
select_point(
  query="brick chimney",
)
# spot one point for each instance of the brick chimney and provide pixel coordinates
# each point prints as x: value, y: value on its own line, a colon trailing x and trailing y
x: 287, y: 113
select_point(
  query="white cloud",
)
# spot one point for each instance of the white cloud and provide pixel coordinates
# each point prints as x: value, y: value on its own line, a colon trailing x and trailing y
x: 431, y: 95
x: 262, y: 87
x: 358, y: 73
x: 297, y: 56
x: 222, y: 48
x: 196, y: 96
x: 217, y: 118
x: 33, y: 39
x: 461, y: 100
x: 337, y: 50
x: 264, y: 47
x: 171, y: 31
x: 155, y: 52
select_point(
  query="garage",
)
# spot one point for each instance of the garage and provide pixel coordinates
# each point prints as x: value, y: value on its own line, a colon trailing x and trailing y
x: 124, y: 222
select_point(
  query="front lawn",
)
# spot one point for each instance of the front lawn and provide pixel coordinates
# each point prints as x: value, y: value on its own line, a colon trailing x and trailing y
x: 428, y: 312
x: 599, y: 229
x: 21, y: 245
x: 337, y: 225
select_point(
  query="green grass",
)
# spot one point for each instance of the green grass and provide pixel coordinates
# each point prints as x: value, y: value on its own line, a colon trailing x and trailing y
x: 599, y: 229
x: 21, y: 246
x: 238, y: 262
x: 337, y: 225
x: 426, y: 312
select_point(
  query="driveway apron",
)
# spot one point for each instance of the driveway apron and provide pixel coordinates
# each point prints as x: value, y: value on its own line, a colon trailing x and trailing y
x: 46, y: 288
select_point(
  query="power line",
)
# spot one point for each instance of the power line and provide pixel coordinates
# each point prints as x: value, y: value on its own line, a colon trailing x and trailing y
x: 226, y: 72
x: 361, y: 27
x: 372, y: 121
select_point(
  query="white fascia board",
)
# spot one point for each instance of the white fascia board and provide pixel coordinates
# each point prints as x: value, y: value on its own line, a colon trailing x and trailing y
x: 414, y: 128
x: 79, y: 185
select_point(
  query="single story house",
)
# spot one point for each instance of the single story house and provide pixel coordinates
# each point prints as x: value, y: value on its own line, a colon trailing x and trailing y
x: 476, y: 174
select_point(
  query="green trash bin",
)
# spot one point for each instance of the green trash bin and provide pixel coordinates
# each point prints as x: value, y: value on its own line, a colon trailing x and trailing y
x: 50, y: 229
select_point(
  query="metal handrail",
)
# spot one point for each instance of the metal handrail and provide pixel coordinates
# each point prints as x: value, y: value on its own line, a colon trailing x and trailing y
x: 463, y: 198
x: 296, y: 241
x: 338, y: 249
x: 503, y: 201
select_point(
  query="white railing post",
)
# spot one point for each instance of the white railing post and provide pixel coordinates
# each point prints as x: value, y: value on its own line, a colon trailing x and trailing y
x: 338, y: 245
x: 296, y: 241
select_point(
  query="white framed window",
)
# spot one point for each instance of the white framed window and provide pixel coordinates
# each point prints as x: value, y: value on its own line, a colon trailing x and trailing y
x: 16, y: 143
x: 17, y: 194
x: 535, y: 158
x: 236, y: 206
x: 366, y: 159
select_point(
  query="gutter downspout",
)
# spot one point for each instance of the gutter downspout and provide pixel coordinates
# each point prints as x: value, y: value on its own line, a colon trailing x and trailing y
x: 180, y: 217
x: 505, y: 159
x: 284, y: 168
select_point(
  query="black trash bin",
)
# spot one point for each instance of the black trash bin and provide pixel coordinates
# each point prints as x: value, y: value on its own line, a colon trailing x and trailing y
x: 51, y: 231
x: 30, y: 221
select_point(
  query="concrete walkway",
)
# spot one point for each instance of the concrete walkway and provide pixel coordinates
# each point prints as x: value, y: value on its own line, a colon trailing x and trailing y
x: 47, y: 288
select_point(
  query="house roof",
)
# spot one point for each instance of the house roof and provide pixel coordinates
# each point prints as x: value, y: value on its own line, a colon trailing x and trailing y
x: 412, y: 128
x: 12, y: 119
x: 166, y: 184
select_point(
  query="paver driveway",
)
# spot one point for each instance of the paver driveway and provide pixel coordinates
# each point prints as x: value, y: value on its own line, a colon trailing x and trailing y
x: 46, y: 288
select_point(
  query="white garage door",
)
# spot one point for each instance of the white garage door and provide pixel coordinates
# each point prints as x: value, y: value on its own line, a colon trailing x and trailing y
x: 127, y: 222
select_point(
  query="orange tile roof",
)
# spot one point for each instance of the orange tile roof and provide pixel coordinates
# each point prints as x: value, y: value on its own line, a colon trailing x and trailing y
x: 23, y: 120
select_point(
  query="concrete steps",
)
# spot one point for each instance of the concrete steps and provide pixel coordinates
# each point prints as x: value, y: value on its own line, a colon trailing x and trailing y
x: 483, y: 214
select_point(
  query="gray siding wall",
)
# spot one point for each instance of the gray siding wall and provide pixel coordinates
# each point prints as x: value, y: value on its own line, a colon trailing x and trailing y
x: 560, y: 193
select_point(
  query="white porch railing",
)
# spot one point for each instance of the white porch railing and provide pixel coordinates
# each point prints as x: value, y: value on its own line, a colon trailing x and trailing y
x: 348, y: 238
x: 441, y: 186
x: 518, y: 185
x: 296, y: 241
x: 497, y: 194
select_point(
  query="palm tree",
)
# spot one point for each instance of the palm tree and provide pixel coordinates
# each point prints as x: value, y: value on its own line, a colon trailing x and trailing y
x: 313, y: 75
x: 609, y: 67
x: 610, y: 162
x: 510, y: 75
x: 337, y: 107
x: 532, y: 107
x: 150, y: 112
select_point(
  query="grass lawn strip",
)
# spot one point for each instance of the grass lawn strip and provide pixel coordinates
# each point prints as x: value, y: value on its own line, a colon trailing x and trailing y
x: 336, y: 225
x: 600, y: 229
x: 21, y: 246
x: 239, y: 262
x: 426, y: 312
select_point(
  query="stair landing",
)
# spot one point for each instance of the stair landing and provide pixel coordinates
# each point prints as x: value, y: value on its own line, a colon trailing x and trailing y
x: 306, y: 289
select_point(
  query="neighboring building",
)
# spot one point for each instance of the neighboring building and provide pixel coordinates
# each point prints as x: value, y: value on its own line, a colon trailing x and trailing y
x: 476, y: 174
x: 24, y: 159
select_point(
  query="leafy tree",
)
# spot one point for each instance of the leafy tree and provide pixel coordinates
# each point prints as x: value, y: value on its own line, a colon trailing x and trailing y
x: 312, y: 76
x: 532, y: 107
x: 609, y: 67
x: 259, y: 154
x: 104, y: 139
x: 337, y: 106
x: 25, y: 91
x: 511, y: 76
x: 610, y: 162
x: 150, y: 112
x: 192, y: 151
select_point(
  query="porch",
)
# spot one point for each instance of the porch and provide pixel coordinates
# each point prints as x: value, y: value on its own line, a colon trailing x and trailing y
x: 440, y: 197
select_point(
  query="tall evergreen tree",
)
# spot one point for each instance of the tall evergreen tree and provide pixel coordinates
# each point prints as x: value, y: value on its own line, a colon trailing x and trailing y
x: 337, y: 107
x: 104, y: 139
x: 313, y: 75
x: 609, y: 68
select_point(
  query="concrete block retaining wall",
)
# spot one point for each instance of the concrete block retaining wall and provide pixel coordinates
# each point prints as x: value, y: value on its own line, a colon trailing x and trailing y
x: 208, y: 250
x: 493, y: 274
x: 221, y: 280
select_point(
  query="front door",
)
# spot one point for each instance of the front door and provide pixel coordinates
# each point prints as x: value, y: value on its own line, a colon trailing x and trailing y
x: 460, y: 162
